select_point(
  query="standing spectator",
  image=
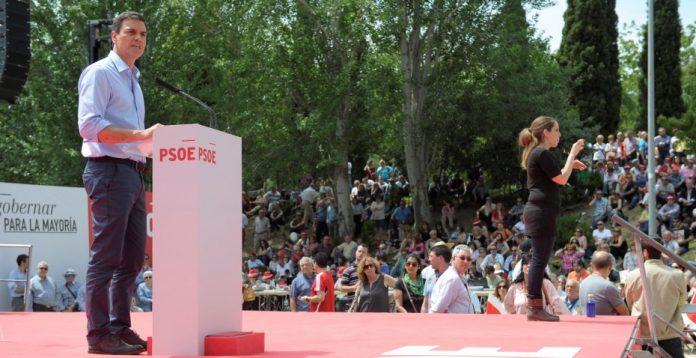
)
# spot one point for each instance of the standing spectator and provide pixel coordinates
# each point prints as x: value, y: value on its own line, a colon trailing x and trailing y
x: 451, y: 293
x: 332, y: 218
x: 322, y: 225
x: 402, y: 216
x: 264, y: 253
x: 349, y: 279
x: 630, y: 146
x: 309, y: 195
x: 448, y: 215
x: 372, y: 294
x: 301, y: 285
x: 605, y: 295
x: 321, y: 297
x: 358, y: 215
x: 384, y: 171
x: 668, y: 292
x: 273, y: 197
x: 17, y: 288
x: 598, y: 148
x: 262, y: 228
x: 439, y: 258
x: 601, y: 208
x: 662, y: 143
x: 408, y: 292
x: 369, y: 170
x: 144, y: 293
x: 43, y: 291
x: 377, y: 208
x: 69, y: 291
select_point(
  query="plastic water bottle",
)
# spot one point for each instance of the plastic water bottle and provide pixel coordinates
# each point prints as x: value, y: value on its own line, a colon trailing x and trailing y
x: 591, y: 310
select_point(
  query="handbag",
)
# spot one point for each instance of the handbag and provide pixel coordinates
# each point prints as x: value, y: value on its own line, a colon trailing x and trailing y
x: 248, y: 294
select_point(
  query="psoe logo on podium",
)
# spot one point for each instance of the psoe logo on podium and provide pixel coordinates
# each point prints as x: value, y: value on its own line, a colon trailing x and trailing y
x: 190, y: 151
x: 429, y: 351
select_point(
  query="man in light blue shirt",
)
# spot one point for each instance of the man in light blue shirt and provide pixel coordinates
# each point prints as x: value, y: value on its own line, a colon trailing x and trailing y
x: 301, y: 285
x: 111, y: 120
x: 17, y: 288
x: 44, y: 296
x: 69, y: 291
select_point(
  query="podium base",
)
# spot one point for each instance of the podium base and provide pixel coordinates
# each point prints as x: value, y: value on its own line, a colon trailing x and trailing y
x: 234, y: 343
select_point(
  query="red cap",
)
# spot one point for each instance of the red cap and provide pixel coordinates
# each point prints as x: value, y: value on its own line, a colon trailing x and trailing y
x: 267, y: 275
x: 253, y: 273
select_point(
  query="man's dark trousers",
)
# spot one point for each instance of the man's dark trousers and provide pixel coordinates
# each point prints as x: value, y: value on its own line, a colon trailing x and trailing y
x: 117, y: 192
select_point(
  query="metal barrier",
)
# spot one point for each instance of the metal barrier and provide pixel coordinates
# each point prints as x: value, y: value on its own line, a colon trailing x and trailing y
x: 643, y: 238
x: 26, y: 281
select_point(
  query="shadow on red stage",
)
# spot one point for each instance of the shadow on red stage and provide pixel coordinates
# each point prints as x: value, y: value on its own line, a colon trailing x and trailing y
x: 354, y: 335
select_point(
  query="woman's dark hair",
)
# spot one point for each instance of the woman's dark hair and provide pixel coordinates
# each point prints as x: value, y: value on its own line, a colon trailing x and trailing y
x: 526, y: 258
x: 418, y: 259
x: 321, y: 259
x: 580, y: 262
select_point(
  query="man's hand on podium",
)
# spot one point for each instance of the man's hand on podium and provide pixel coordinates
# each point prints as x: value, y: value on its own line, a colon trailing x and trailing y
x: 112, y: 134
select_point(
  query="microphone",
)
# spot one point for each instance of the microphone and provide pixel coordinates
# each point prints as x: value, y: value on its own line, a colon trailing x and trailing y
x: 179, y: 91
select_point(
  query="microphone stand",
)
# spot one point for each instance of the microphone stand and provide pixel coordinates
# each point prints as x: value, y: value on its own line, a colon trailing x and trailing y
x: 211, y: 112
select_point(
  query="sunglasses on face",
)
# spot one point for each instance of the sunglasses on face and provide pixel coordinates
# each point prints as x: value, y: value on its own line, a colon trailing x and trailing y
x: 503, y: 286
x: 465, y: 258
x: 368, y: 266
x: 43, y: 268
x: 412, y: 264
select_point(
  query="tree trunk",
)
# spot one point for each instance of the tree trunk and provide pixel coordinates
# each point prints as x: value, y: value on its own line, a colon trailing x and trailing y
x: 415, y: 67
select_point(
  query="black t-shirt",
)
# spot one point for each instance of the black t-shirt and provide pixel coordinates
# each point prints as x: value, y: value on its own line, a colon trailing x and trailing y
x: 541, y: 168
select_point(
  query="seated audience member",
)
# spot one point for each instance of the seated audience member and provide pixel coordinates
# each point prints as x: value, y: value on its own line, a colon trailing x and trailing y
x: 254, y: 262
x: 579, y: 272
x: 519, y: 227
x: 492, y: 258
x: 408, y: 292
x: 321, y: 296
x: 579, y: 239
x: 682, y: 235
x: 69, y: 291
x: 572, y: 290
x: 144, y: 293
x: 668, y: 212
x: 671, y: 245
x: 346, y: 249
x: 372, y: 294
x: 146, y: 267
x: 568, y: 255
x: 630, y: 262
x: 450, y: 294
x: 301, y: 285
x: 601, y: 234
x: 492, y: 279
x: 43, y: 292
x: 515, y: 300
x: 617, y: 244
x: 606, y: 296
x: 494, y: 303
x: 134, y: 305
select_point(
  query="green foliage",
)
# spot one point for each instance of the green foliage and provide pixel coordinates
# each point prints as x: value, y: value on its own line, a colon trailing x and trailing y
x: 668, y: 90
x: 566, y: 225
x: 629, y: 69
x: 589, y: 52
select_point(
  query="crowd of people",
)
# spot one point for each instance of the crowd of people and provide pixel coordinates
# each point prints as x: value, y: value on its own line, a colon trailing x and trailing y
x: 45, y: 294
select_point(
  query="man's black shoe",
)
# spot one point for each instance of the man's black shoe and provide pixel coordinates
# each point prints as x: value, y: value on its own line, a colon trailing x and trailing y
x: 132, y: 338
x: 111, y: 344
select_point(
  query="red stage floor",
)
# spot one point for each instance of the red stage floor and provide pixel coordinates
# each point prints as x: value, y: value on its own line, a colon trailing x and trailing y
x: 355, y: 335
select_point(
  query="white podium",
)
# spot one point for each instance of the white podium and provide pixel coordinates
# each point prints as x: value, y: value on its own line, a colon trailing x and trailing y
x: 197, y: 242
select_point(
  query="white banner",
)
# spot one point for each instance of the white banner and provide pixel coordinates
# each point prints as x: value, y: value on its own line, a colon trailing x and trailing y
x: 52, y: 219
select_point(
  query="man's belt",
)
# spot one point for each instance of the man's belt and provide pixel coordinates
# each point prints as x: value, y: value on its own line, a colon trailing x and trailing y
x: 138, y: 166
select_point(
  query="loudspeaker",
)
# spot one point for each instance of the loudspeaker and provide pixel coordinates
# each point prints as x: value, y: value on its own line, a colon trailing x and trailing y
x: 15, y: 50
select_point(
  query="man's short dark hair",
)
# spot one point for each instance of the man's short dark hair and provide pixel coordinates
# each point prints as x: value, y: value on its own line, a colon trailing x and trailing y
x: 653, y: 253
x: 126, y: 15
x: 442, y: 250
x: 321, y: 259
x: 21, y: 258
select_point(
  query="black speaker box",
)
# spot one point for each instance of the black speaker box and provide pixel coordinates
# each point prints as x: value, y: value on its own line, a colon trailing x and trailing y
x: 15, y: 51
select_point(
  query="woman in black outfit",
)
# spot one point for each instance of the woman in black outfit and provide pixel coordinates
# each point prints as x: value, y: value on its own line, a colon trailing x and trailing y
x: 544, y: 176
